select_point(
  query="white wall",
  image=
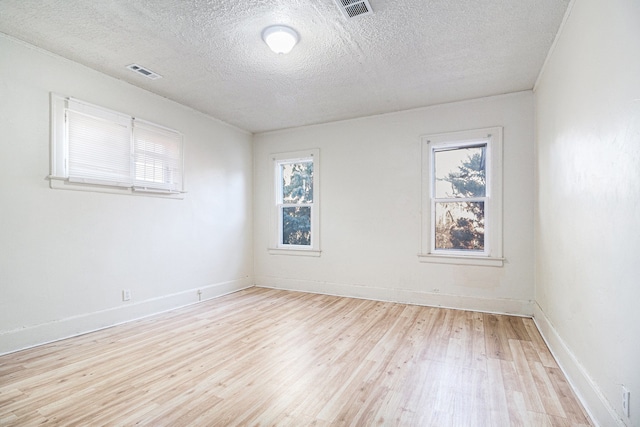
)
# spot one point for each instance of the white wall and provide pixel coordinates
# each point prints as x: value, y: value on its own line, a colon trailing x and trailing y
x: 588, y: 204
x: 65, y: 256
x: 370, y: 209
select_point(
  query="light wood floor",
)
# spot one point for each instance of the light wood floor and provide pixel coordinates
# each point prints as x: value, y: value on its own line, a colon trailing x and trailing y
x: 268, y: 357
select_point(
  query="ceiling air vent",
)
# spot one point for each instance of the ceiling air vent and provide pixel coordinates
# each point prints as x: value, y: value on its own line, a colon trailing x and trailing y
x: 352, y: 8
x: 144, y: 71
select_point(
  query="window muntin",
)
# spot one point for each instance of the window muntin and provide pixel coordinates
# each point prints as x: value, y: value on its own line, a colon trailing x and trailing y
x: 103, y: 148
x: 295, y: 216
x: 462, y: 197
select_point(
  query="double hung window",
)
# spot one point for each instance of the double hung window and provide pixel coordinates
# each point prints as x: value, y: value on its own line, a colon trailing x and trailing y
x: 462, y: 197
x: 295, y: 218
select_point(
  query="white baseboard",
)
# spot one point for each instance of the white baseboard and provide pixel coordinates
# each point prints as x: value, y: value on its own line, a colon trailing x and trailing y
x: 488, y: 305
x: 588, y: 392
x: 31, y: 336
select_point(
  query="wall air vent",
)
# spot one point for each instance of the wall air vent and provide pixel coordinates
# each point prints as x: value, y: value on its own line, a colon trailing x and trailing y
x: 144, y: 71
x: 352, y: 8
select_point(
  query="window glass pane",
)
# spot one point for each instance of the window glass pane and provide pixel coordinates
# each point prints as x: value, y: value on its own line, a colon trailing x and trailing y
x: 149, y: 169
x: 459, y: 226
x: 150, y: 163
x: 296, y: 225
x: 297, y: 182
x: 460, y: 172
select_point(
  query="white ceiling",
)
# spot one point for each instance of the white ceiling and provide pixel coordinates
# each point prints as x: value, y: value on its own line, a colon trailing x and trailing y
x: 210, y: 53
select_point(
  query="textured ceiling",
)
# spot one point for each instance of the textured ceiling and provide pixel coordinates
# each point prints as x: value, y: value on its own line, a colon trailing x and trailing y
x: 210, y: 53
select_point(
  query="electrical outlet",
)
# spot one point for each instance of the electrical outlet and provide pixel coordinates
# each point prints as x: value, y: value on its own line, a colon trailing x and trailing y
x: 626, y: 395
x: 126, y: 294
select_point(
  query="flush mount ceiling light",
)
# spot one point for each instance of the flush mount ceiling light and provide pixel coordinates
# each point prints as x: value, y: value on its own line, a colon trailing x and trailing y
x: 279, y: 38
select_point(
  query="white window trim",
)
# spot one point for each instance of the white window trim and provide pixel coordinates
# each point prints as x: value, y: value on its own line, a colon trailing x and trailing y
x: 275, y: 245
x: 59, y: 152
x: 493, y: 253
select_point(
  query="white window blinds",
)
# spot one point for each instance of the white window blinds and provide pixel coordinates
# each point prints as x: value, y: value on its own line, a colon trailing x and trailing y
x: 99, y: 145
x: 157, y: 157
x: 107, y: 148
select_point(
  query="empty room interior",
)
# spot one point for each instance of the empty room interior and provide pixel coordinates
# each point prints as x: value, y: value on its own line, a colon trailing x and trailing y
x: 340, y: 212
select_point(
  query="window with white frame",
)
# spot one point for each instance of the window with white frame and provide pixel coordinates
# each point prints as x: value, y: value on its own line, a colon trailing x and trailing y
x: 462, y: 197
x: 295, y: 214
x: 93, y: 148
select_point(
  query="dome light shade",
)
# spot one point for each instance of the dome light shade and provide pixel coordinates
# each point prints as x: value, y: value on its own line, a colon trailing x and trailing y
x: 279, y: 38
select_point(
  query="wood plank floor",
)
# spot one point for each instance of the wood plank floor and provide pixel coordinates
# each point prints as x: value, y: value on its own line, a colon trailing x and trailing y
x: 278, y: 358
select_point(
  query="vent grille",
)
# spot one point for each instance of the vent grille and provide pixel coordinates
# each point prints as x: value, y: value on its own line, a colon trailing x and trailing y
x: 144, y: 71
x: 352, y: 8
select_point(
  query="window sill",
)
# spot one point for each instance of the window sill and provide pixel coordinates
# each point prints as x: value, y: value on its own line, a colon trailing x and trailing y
x: 295, y: 252
x: 462, y: 260
x: 61, y: 183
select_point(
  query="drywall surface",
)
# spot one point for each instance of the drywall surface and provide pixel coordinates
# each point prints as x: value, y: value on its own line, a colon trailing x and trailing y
x: 370, y: 213
x: 66, y: 256
x: 588, y: 204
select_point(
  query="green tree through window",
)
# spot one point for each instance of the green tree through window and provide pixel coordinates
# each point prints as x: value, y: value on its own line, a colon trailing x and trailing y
x: 462, y: 198
x: 297, y: 195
